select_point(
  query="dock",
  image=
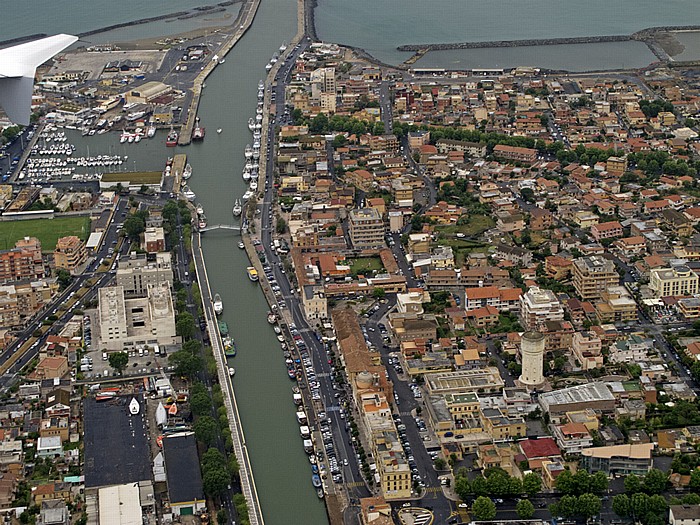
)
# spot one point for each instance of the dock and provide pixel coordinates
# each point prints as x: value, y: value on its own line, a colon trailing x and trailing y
x: 239, y: 445
x: 179, y: 163
x: 242, y: 24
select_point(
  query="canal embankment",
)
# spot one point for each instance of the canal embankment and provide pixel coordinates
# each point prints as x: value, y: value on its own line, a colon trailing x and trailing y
x: 243, y: 22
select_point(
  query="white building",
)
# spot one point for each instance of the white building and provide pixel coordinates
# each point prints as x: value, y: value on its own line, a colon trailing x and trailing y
x: 538, y: 306
x: 532, y: 357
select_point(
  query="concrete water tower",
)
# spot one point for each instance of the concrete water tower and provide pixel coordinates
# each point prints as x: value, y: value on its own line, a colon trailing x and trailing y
x: 532, y: 355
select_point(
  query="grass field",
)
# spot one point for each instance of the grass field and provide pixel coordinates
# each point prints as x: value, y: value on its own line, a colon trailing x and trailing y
x: 47, y: 231
x: 137, y: 177
x: 477, y: 225
x: 364, y: 265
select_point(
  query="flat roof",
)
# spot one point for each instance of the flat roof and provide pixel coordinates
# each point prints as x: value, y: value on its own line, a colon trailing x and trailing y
x: 116, y: 444
x: 120, y: 505
x: 182, y: 468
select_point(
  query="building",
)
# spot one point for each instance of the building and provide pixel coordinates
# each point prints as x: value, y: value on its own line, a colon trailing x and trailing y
x: 673, y: 281
x: 184, y: 478
x: 501, y: 426
x: 24, y: 261
x: 532, y: 357
x: 70, y: 253
x: 125, y: 322
x: 154, y: 240
x: 481, y: 380
x: 618, y: 460
x: 392, y: 467
x: 684, y: 515
x: 616, y: 305
x: 537, y: 306
x: 592, y: 275
x: 572, y: 438
x: 606, y: 230
x: 595, y: 396
x: 366, y: 228
x: 516, y: 154
x: 119, y: 505
x: 375, y: 511
x: 137, y: 272
x: 22, y: 300
x: 587, y: 348
x: 146, y: 93
x: 314, y: 302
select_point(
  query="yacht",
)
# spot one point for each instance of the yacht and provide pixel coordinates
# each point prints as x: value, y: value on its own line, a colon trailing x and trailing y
x: 253, y: 185
x: 247, y: 195
x: 134, y: 406
x: 246, y: 174
x: 237, y: 208
x: 187, y: 172
x: 202, y: 221
x: 188, y: 193
x: 199, y: 209
x: 219, y: 130
x: 151, y: 131
x: 283, y: 46
x: 218, y: 305
x: 171, y: 140
x: 231, y: 371
x: 241, y: 245
x: 252, y: 273
x: 261, y: 84
x: 251, y: 124
x: 248, y: 151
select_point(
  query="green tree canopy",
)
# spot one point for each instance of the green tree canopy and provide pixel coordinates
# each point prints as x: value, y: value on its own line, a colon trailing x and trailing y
x: 525, y: 509
x: 184, y: 325
x: 532, y: 483
x: 483, y: 508
x: 118, y: 361
x: 206, y: 430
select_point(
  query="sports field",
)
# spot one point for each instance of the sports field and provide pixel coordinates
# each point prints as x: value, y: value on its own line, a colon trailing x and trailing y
x: 48, y: 231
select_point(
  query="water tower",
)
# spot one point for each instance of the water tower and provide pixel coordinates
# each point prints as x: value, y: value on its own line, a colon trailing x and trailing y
x: 532, y: 355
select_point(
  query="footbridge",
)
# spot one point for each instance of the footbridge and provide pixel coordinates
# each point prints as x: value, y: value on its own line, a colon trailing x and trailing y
x: 220, y: 227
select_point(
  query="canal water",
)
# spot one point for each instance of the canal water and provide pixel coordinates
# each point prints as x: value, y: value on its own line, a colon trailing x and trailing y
x: 263, y: 390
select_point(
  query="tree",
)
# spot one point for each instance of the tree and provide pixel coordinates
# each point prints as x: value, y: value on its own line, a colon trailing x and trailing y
x: 483, y: 508
x: 222, y: 516
x: 439, y: 464
x: 134, y: 226
x: 525, y: 509
x: 532, y: 483
x: 185, y: 363
x: 621, y: 505
x: 565, y: 482
x: 655, y: 481
x: 598, y: 482
x: 193, y: 346
x: 200, y: 403
x: 64, y: 278
x: 632, y: 484
x: 215, y: 481
x: 281, y: 226
x: 233, y: 466
x: 462, y: 487
x: 378, y: 293
x: 206, y: 430
x: 565, y: 507
x: 695, y: 479
x: 588, y: 505
x: 212, y: 459
x: 184, y: 326
x: 118, y: 361
x: 480, y: 486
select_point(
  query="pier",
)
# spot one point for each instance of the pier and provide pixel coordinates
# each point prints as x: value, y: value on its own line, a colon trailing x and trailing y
x: 241, y: 25
x: 239, y: 445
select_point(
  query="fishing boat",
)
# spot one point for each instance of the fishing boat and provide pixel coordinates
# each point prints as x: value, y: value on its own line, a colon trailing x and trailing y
x: 316, y: 481
x: 237, y: 208
x: 187, y: 172
x: 271, y: 318
x: 252, y: 273
x: 218, y: 305
x: 223, y: 328
x: 198, y: 132
x: 134, y: 407
x: 171, y: 140
x: 229, y: 347
x: 241, y: 245
x: 231, y: 371
x: 188, y: 193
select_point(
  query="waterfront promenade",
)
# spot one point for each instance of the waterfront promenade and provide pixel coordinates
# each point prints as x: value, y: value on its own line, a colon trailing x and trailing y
x: 239, y: 444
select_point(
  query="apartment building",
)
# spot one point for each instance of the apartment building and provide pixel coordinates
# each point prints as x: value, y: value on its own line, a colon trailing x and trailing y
x: 512, y: 153
x: 587, y: 348
x: 593, y: 275
x: 24, y: 261
x: 606, y: 230
x: 137, y: 272
x: 500, y: 298
x: 366, y: 228
x: 538, y: 306
x: 70, y: 253
x: 673, y: 281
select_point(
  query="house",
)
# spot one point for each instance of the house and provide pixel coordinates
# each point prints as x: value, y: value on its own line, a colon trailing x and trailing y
x: 684, y: 515
x: 538, y: 450
x: 572, y: 438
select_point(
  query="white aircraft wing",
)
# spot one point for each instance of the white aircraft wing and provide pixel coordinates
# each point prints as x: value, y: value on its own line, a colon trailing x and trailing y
x: 17, y: 68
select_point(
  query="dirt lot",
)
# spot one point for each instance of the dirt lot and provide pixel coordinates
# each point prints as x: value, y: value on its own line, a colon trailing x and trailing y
x: 93, y: 63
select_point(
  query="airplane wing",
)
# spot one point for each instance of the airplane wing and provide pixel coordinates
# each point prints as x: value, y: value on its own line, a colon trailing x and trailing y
x: 17, y: 68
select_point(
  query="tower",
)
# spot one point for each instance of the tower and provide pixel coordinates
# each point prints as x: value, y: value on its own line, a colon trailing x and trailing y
x: 532, y: 355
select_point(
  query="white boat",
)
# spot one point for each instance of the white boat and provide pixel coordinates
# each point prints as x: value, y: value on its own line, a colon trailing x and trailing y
x: 261, y: 84
x: 247, y: 195
x: 202, y: 221
x: 268, y: 66
x: 241, y: 245
x: 231, y: 371
x: 237, y: 208
x: 253, y: 185
x: 134, y: 406
x: 200, y: 209
x: 251, y: 124
x: 187, y: 172
x: 283, y: 46
x: 256, y: 153
x: 188, y: 193
x: 248, y: 151
x: 151, y: 131
x: 222, y: 61
x: 218, y: 305
x: 246, y: 175
x: 219, y: 130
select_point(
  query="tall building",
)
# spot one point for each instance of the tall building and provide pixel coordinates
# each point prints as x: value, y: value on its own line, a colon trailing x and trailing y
x: 593, y: 275
x: 366, y: 228
x: 139, y: 271
x: 323, y: 89
x: 70, y: 253
x: 538, y: 306
x: 676, y: 280
x: 532, y: 359
x: 24, y: 261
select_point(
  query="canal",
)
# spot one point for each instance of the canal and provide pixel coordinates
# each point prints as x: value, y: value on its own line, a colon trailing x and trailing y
x: 263, y: 390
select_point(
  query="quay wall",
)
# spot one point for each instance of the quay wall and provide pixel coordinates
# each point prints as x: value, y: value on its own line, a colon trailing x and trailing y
x: 242, y: 23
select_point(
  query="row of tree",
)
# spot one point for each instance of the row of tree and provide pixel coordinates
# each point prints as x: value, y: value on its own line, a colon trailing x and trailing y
x: 497, y: 483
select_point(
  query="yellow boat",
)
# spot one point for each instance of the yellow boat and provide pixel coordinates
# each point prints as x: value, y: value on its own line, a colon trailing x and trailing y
x: 252, y: 273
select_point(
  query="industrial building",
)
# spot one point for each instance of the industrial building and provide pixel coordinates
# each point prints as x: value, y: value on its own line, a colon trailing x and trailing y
x: 595, y: 396
x: 184, y: 477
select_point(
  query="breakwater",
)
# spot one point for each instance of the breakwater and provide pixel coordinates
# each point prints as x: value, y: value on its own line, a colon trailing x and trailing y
x: 645, y: 35
x: 20, y: 39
